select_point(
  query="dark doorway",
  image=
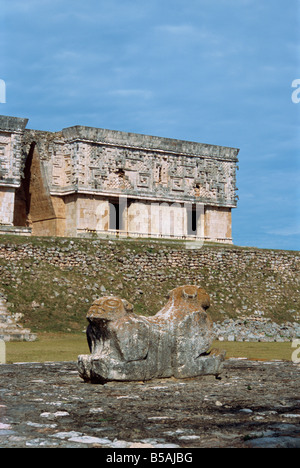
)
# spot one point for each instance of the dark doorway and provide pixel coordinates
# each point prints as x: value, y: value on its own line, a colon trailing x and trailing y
x: 192, y: 219
x: 22, y: 195
x: 116, y: 210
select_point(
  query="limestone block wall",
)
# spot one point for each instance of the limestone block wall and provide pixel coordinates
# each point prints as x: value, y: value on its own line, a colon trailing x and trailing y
x: 7, y: 199
x: 139, y: 217
x: 158, y: 219
x: 71, y: 215
x: 169, y: 219
x: 218, y: 224
x: 91, y: 213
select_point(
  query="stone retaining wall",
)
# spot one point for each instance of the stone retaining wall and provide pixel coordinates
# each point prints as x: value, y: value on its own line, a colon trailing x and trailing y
x: 242, y: 282
x: 157, y: 256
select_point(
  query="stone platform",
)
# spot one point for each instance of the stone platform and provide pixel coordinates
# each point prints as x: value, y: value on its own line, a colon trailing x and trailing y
x: 253, y: 404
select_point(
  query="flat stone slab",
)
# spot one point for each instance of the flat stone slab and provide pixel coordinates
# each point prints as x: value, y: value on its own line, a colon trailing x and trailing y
x: 253, y: 404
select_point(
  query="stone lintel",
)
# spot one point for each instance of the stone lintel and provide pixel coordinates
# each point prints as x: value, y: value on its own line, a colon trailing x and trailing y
x: 9, y: 184
x: 148, y: 142
x: 12, y: 124
x: 138, y: 196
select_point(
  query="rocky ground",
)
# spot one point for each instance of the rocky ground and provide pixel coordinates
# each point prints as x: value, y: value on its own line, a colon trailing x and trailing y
x: 253, y: 404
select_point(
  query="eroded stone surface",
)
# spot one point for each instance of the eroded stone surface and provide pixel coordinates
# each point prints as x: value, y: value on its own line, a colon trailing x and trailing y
x: 174, y: 342
x: 165, y: 412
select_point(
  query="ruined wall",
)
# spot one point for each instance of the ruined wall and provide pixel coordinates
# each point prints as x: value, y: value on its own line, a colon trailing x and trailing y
x: 7, y: 200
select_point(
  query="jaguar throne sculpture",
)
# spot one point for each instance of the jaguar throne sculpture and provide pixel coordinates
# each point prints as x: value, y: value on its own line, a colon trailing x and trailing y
x: 175, y: 342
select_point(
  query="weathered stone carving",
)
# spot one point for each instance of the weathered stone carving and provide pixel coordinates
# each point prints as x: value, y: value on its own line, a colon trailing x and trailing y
x: 175, y: 342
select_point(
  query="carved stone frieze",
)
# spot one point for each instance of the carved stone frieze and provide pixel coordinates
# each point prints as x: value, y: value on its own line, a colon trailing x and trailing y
x: 89, y: 162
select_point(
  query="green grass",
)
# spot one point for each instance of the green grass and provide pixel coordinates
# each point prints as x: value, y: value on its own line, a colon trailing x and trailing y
x: 257, y: 350
x: 66, y: 347
x: 48, y: 347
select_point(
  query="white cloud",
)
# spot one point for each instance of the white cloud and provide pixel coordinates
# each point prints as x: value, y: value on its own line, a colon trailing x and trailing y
x: 178, y: 29
x: 286, y: 231
x: 190, y: 32
x: 139, y: 93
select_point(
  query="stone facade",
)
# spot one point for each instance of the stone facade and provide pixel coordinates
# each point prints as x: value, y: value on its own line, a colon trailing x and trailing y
x: 84, y: 179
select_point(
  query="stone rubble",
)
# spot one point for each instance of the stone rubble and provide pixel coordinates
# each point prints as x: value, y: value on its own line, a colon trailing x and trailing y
x: 10, y: 329
x: 252, y: 329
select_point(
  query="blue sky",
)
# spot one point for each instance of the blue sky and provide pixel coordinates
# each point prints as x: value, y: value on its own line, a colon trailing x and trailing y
x: 212, y: 71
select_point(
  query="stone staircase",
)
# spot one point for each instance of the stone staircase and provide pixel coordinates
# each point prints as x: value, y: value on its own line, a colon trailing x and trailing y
x: 10, y: 330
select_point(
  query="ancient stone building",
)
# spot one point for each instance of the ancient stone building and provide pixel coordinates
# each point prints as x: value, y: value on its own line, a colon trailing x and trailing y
x: 89, y: 180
